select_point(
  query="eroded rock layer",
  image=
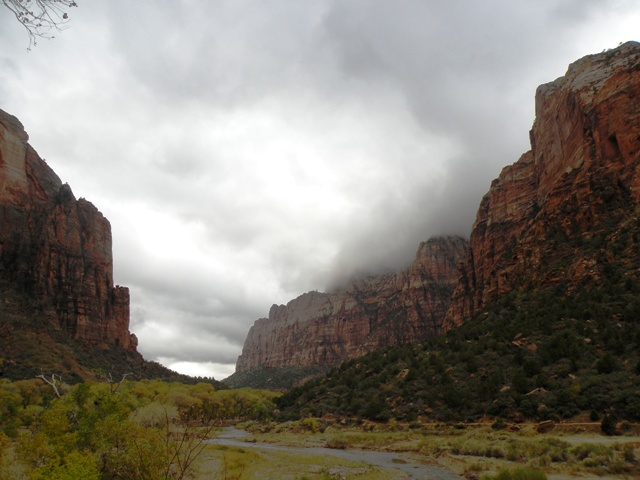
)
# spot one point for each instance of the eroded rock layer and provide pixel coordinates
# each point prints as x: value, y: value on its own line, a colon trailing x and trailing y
x: 558, y: 216
x: 327, y: 328
x: 56, y: 249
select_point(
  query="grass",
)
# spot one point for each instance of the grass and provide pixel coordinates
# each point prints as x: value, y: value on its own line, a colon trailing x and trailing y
x: 230, y: 463
x: 518, y: 474
x: 476, y: 450
x: 551, y: 454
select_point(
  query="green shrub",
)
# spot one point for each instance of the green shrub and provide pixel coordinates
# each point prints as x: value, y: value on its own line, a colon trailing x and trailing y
x: 310, y: 423
x: 10, y: 430
x: 607, y: 364
x: 499, y: 424
x: 75, y: 466
x: 625, y: 426
x: 594, y: 455
x: 608, y: 424
x: 337, y: 443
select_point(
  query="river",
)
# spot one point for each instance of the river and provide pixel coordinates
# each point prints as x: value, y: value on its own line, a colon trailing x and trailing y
x: 405, y: 463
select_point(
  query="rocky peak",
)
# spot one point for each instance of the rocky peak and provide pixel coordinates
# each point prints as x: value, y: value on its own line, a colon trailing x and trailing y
x: 580, y: 180
x: 393, y: 309
x: 56, y: 249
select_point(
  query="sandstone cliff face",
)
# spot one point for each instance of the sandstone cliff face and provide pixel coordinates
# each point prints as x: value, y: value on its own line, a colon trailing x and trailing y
x: 327, y: 328
x: 57, y: 249
x: 549, y: 218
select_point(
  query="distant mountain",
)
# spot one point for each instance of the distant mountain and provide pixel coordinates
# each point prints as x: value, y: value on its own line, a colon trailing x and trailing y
x: 318, y: 330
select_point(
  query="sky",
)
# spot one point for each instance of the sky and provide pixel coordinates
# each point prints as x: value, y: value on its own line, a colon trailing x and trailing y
x: 246, y: 151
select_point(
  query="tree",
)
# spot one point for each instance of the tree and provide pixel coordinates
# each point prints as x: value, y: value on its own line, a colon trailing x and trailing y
x: 609, y: 424
x: 53, y: 382
x: 40, y: 17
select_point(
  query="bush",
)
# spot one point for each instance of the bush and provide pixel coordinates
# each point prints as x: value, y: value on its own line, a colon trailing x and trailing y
x: 310, y: 424
x: 499, y: 424
x: 76, y: 466
x: 586, y: 450
x: 338, y: 443
x: 628, y: 453
x: 607, y: 364
x: 608, y: 424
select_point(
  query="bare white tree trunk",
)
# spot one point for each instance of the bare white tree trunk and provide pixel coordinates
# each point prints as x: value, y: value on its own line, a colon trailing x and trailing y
x: 53, y: 382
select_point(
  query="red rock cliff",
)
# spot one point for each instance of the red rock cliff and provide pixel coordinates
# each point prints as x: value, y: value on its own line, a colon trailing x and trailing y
x: 57, y: 249
x: 549, y: 218
x: 327, y: 328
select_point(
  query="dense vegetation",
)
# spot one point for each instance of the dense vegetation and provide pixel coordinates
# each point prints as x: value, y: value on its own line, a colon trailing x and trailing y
x: 124, y: 430
x: 543, y: 355
x: 279, y: 378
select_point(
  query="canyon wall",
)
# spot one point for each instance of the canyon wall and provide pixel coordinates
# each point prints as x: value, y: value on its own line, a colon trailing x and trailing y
x: 56, y: 249
x: 328, y: 328
x: 564, y: 216
x: 547, y: 218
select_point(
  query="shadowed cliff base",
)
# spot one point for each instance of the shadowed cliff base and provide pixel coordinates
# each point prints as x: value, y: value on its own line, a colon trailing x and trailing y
x: 32, y: 346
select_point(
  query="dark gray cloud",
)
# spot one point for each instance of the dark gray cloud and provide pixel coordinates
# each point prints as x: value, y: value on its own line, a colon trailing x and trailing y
x: 246, y: 152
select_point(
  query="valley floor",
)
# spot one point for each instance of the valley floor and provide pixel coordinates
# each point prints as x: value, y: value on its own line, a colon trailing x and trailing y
x: 312, y: 449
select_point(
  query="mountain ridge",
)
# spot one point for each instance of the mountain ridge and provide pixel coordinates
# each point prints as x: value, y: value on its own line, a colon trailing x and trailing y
x: 323, y: 329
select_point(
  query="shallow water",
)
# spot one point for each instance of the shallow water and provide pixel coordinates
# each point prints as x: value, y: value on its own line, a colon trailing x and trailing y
x: 232, y: 437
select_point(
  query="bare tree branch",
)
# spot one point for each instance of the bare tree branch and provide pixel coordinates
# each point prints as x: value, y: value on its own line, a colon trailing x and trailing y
x: 113, y: 385
x: 52, y: 382
x: 40, y: 17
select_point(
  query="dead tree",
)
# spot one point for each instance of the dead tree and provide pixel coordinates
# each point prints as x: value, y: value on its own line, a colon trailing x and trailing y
x: 53, y: 382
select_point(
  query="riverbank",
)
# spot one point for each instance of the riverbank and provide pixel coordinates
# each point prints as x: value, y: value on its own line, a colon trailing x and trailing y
x: 472, y: 451
x: 362, y: 462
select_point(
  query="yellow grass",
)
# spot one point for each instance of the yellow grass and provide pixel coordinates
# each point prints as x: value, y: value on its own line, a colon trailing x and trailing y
x: 562, y: 454
x: 231, y: 463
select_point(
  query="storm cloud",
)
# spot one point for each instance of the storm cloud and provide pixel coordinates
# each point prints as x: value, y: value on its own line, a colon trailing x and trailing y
x: 246, y: 152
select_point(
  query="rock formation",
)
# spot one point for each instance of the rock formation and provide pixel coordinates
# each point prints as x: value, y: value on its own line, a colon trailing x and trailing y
x: 393, y: 309
x: 564, y: 216
x: 553, y: 217
x: 56, y: 249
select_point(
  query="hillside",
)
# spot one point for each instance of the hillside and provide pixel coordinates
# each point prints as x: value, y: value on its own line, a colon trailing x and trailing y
x: 534, y: 355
